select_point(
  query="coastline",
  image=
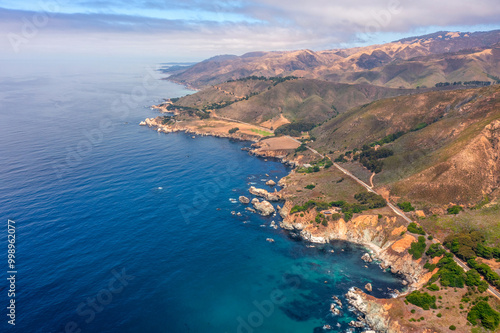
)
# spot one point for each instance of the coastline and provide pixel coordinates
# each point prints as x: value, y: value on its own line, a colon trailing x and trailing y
x: 391, y: 255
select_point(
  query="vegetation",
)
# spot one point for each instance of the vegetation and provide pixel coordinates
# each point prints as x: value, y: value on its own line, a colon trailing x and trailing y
x: 422, y: 299
x: 435, y: 250
x: 486, y: 271
x: 433, y: 287
x: 294, y: 129
x: 483, y: 312
x: 417, y: 248
x: 473, y: 279
x: 468, y: 245
x: 233, y: 130
x: 261, y: 132
x: 370, y: 200
x: 406, y: 206
x: 301, y: 148
x: 455, y: 209
x: 413, y: 228
x: 370, y: 158
x: 450, y: 273
x: 310, y: 186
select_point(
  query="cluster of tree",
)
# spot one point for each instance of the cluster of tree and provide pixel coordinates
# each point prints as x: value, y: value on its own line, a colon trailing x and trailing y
x: 466, y: 83
x: 417, y: 249
x: 275, y: 79
x: 370, y: 200
x: 168, y: 120
x: 486, y: 271
x: 310, y: 186
x: 469, y: 245
x: 414, y: 228
x: 389, y: 138
x: 320, y: 205
x: 233, y: 130
x: 366, y: 200
x: 300, y: 148
x: 482, y: 311
x: 370, y: 158
x: 422, y: 299
x: 219, y: 105
x: 435, y: 250
x: 294, y: 129
x: 202, y: 114
x: 406, y: 206
x: 320, y: 218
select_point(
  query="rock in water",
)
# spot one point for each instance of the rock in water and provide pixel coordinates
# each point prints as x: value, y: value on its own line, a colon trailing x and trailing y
x: 243, y: 199
x: 368, y: 287
x: 264, y: 208
x: 270, y: 182
x: 255, y: 201
x: 263, y: 193
x: 366, y: 257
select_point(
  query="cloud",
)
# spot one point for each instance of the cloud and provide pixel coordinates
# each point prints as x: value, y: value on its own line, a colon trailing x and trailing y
x: 213, y: 27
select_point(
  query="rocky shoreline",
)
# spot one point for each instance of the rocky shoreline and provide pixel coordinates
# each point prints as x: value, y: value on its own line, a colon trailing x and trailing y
x: 364, y: 230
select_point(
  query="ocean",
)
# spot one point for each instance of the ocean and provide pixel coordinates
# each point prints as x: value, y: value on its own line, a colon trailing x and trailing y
x: 122, y: 229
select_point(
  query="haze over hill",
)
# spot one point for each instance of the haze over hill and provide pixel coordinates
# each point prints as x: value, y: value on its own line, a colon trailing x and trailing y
x: 409, y: 63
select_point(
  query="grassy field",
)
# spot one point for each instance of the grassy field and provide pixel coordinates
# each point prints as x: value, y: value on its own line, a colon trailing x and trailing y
x: 486, y: 219
x: 261, y: 132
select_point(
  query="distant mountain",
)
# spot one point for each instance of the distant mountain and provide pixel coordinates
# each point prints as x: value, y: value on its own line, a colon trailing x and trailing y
x: 410, y: 62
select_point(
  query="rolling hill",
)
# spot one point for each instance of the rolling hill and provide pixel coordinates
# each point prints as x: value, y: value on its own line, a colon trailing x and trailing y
x: 410, y: 62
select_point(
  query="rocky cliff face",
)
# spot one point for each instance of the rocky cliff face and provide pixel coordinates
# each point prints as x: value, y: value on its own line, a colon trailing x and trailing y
x: 382, y: 236
x: 376, y: 313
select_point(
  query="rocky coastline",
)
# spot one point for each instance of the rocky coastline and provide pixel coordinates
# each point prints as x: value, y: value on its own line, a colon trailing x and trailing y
x: 364, y: 229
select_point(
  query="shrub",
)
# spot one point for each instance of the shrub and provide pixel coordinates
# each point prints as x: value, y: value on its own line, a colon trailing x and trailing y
x: 301, y: 148
x: 482, y: 311
x: 430, y: 266
x: 454, y: 209
x: 435, y: 250
x: 452, y: 327
x: 310, y: 186
x: 439, y: 315
x: 433, y: 287
x: 413, y: 228
x: 233, y: 130
x: 370, y: 200
x: 430, y: 237
x: 417, y: 248
x: 450, y: 273
x: 422, y: 299
x: 406, y: 206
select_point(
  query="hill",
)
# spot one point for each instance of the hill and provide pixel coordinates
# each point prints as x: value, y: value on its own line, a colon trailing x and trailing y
x: 411, y: 62
x: 446, y: 144
x: 272, y: 102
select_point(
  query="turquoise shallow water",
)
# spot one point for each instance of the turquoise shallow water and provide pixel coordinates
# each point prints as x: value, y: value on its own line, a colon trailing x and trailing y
x: 95, y: 197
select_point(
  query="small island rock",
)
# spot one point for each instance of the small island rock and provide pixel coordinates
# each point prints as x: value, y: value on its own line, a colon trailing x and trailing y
x: 243, y: 199
x: 270, y: 182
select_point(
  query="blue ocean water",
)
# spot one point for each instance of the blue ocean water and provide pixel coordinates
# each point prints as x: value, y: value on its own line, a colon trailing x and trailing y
x: 122, y: 229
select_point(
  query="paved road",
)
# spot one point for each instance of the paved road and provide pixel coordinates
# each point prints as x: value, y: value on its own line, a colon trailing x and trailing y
x: 396, y: 210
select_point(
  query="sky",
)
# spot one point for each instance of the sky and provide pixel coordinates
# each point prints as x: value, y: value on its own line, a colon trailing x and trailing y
x: 193, y: 30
